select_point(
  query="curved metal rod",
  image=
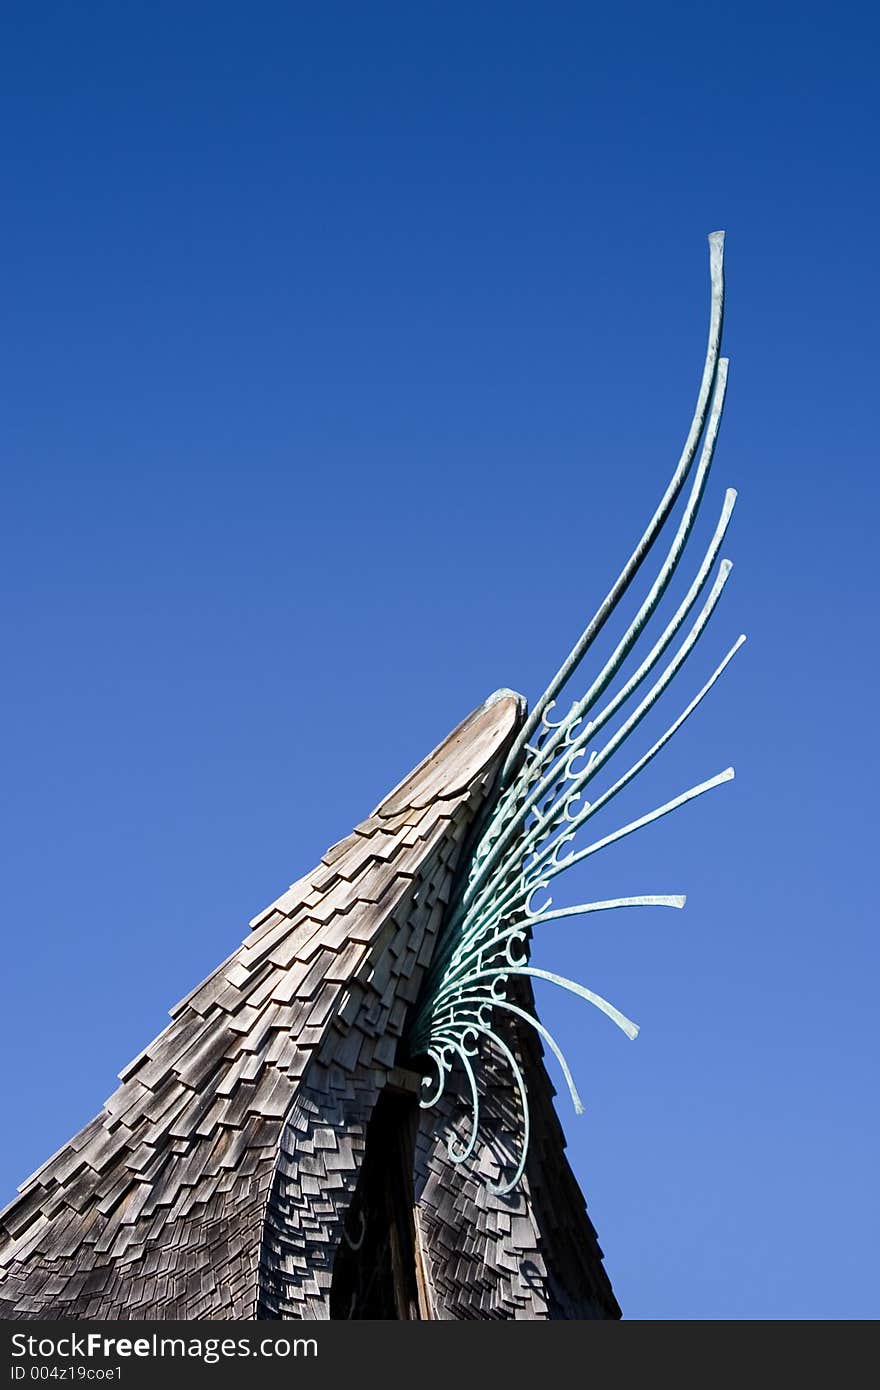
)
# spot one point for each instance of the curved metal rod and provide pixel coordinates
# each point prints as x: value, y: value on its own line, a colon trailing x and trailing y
x: 543, y: 827
x: 603, y: 800
x: 663, y: 681
x: 625, y: 1024
x: 677, y: 900
x: 580, y: 708
x: 526, y: 835
x: 461, y: 1155
x: 632, y: 566
x: 545, y: 1034
x: 442, y: 1070
x: 539, y: 832
x: 463, y: 959
x: 517, y: 891
x: 690, y: 795
x: 545, y: 843
x: 501, y: 1190
x: 681, y: 613
x: 589, y: 730
x: 670, y: 564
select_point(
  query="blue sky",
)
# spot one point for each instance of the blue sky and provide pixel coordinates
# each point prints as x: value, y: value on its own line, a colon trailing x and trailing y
x: 346, y: 351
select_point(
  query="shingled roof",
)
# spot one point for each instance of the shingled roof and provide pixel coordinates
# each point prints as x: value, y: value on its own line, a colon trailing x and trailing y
x: 216, y: 1180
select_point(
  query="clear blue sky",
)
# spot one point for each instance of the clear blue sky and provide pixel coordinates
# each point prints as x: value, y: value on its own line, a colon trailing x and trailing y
x: 346, y: 349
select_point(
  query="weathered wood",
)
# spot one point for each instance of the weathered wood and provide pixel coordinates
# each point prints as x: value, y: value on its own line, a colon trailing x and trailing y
x: 215, y: 1181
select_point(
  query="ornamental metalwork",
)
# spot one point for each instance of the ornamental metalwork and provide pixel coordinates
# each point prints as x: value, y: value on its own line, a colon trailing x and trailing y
x: 534, y: 831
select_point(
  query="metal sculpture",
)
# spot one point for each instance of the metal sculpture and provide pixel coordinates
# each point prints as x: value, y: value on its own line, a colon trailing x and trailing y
x: 539, y: 808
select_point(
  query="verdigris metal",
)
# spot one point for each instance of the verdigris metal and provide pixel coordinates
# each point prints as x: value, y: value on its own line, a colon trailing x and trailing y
x: 532, y: 834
